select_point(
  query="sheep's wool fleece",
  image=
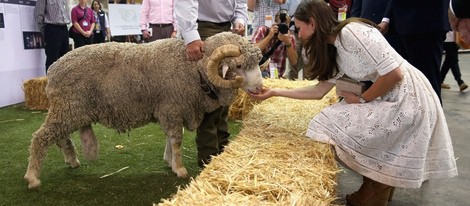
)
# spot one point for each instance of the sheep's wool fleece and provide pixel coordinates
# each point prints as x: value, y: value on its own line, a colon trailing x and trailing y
x: 125, y: 85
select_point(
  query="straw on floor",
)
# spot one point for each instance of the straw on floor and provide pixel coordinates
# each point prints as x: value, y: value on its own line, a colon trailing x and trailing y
x: 270, y: 162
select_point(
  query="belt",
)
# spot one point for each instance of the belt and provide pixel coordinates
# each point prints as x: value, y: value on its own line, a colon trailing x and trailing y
x: 161, y: 25
x: 227, y: 23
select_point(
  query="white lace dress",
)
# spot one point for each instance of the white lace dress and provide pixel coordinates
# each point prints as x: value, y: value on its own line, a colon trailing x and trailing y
x: 400, y: 139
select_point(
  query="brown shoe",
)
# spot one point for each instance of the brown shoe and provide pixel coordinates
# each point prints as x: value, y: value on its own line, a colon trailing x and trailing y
x: 463, y: 86
x: 371, y: 193
x: 445, y: 86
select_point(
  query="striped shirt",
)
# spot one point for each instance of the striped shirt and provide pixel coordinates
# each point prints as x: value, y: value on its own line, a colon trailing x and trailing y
x: 52, y: 12
x: 262, y: 9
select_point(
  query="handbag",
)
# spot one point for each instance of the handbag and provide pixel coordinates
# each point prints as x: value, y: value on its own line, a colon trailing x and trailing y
x: 346, y: 84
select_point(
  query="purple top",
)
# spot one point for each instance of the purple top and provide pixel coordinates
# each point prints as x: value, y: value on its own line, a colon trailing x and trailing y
x: 78, y: 14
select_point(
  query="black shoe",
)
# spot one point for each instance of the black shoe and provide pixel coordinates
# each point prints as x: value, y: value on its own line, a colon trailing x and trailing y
x: 202, y: 162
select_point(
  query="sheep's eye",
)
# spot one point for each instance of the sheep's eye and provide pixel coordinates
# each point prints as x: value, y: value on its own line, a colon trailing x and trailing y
x: 239, y: 66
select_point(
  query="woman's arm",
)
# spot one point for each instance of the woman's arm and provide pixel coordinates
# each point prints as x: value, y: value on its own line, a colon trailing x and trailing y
x: 310, y: 92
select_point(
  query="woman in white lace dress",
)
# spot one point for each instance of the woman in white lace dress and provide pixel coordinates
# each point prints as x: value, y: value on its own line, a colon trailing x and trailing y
x: 395, y: 133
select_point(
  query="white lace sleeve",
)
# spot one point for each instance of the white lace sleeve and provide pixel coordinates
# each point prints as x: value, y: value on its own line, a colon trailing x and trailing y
x: 368, y: 44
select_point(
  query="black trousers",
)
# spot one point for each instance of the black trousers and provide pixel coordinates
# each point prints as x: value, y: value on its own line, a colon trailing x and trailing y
x: 424, y: 51
x: 80, y: 40
x: 451, y: 61
x: 98, y: 38
x: 56, y: 38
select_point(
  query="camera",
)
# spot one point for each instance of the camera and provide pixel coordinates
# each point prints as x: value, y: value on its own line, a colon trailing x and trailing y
x: 283, y: 27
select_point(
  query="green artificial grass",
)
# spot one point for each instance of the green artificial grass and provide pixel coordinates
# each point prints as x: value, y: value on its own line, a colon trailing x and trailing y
x: 147, y: 179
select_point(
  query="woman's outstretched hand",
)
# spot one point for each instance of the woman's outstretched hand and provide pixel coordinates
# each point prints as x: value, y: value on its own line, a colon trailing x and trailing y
x: 264, y: 94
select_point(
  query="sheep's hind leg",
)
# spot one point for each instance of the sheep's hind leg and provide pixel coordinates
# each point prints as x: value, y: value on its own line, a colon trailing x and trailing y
x: 90, y: 145
x: 40, y: 142
x: 69, y: 150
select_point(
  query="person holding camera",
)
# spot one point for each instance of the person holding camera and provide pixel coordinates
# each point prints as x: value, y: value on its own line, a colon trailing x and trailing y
x: 276, y: 42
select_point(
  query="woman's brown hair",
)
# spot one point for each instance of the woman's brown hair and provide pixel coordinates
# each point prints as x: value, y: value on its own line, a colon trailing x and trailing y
x: 321, y: 55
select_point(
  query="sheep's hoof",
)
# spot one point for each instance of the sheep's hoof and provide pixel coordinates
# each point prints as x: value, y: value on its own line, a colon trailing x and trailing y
x: 181, y: 172
x: 73, y: 163
x: 34, y: 183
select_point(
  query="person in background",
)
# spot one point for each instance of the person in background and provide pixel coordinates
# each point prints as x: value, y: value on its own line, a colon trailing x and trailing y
x: 101, y: 31
x: 459, y: 18
x: 395, y: 133
x: 337, y: 5
x: 373, y: 10
x: 293, y: 73
x: 420, y: 27
x: 158, y: 15
x: 451, y: 61
x: 266, y: 38
x: 263, y: 8
x: 198, y: 20
x: 83, y: 22
x: 52, y: 17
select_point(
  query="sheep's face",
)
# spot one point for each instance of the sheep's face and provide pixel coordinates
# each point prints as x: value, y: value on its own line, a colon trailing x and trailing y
x: 238, y: 68
x: 232, y: 62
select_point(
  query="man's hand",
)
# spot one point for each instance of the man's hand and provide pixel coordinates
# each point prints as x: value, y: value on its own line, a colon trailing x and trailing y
x: 239, y: 28
x: 194, y: 50
x: 383, y: 27
x: 146, y: 34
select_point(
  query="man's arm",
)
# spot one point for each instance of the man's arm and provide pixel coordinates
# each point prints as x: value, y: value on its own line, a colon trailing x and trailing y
x: 186, y: 15
x: 40, y: 13
x: 356, y: 8
x: 240, y: 17
x: 460, y: 8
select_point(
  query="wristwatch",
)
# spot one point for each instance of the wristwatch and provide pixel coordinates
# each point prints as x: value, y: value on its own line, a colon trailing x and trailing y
x: 362, y: 100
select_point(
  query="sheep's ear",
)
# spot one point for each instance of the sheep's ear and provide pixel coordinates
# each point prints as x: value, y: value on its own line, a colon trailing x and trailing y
x: 224, y: 70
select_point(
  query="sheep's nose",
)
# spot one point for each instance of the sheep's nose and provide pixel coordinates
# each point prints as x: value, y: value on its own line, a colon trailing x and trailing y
x: 258, y: 89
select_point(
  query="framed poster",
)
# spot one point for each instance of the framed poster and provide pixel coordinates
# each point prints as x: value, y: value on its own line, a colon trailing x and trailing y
x: 124, y: 19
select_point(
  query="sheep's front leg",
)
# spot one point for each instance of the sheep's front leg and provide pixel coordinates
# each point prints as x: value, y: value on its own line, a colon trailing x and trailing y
x: 173, y: 152
x: 90, y: 145
x: 167, y: 156
x: 176, y: 154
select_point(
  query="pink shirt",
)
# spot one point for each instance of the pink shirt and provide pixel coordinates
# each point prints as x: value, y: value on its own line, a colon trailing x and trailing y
x: 157, y: 12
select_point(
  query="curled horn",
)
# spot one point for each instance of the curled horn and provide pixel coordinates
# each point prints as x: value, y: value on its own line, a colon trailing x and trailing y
x: 213, y: 62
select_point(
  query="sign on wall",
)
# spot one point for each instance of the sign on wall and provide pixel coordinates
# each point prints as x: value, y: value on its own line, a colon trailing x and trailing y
x: 21, y: 43
x: 124, y: 19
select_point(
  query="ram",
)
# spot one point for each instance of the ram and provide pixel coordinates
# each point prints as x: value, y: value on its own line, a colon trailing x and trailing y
x: 124, y: 86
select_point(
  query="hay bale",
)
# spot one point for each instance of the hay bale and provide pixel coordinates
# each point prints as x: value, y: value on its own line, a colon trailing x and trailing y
x: 35, y: 93
x: 270, y: 162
